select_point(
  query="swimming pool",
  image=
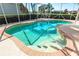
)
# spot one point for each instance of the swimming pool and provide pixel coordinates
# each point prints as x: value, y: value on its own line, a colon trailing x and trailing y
x: 38, y: 34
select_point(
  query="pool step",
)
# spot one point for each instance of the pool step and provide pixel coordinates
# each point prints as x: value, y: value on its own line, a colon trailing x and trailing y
x: 33, y: 36
x: 50, y: 45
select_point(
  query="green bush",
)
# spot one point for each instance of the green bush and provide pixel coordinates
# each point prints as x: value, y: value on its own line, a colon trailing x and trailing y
x: 24, y: 17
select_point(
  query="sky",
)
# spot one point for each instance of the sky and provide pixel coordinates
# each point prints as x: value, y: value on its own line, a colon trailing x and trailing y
x: 58, y: 6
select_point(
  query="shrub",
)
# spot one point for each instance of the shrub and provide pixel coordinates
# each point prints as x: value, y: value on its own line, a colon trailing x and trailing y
x: 12, y: 19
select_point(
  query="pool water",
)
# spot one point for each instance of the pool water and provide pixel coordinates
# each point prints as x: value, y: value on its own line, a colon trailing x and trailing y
x: 36, y: 33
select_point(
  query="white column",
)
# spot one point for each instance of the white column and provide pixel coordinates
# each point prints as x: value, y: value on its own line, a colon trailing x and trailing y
x: 72, y: 11
x: 77, y: 17
x: 37, y: 10
x: 4, y: 13
x: 30, y: 10
x: 5, y: 20
x: 18, y: 13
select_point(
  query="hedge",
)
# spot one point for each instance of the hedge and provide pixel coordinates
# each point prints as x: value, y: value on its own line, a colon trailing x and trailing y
x: 12, y: 19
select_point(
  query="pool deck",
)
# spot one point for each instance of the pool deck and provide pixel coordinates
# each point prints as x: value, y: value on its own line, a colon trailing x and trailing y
x: 71, y: 32
x: 10, y: 46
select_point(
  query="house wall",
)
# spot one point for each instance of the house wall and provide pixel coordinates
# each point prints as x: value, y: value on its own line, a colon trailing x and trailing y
x: 9, y: 8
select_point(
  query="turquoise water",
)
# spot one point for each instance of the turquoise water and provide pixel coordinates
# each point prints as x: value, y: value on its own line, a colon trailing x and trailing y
x: 36, y: 32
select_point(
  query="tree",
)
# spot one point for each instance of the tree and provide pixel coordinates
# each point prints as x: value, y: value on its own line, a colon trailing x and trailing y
x: 46, y: 8
x: 66, y: 11
x: 49, y: 7
x: 23, y: 8
x: 42, y: 8
x: 33, y: 6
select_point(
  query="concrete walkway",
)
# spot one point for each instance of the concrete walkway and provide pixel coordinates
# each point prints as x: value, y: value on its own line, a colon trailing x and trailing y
x: 8, y: 48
